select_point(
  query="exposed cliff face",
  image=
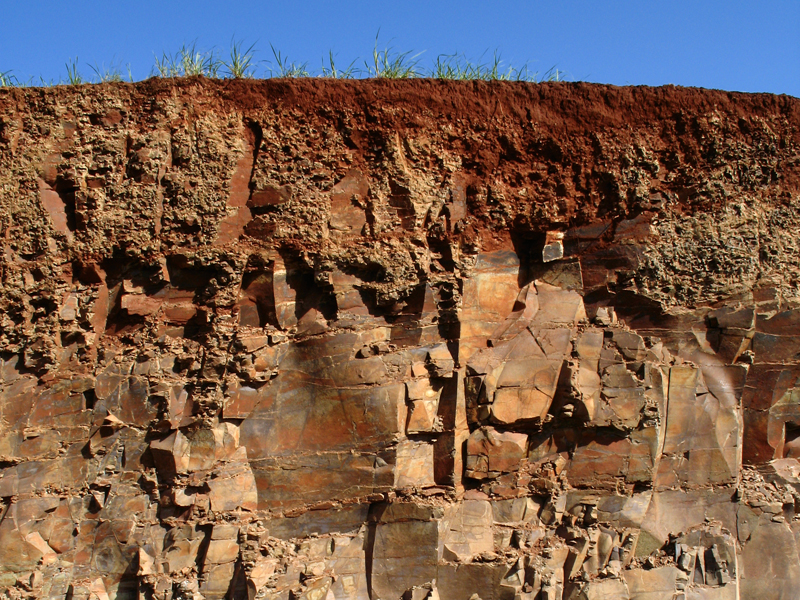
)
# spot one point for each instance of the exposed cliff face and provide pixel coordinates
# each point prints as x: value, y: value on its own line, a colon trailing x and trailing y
x: 322, y: 339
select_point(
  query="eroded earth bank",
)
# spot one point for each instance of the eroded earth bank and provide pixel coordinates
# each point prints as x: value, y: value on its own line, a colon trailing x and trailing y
x: 330, y: 340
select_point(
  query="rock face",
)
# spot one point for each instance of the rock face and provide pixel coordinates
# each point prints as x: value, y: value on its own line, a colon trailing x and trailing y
x: 372, y: 340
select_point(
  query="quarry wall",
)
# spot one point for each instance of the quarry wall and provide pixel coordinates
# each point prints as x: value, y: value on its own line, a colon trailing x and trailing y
x: 316, y: 339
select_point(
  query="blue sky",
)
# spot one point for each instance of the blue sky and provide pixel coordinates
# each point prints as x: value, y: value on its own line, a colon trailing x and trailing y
x: 733, y: 45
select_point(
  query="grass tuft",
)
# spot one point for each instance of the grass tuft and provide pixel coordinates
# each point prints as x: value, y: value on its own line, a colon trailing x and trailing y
x: 8, y: 80
x: 286, y: 69
x: 333, y: 73
x: 450, y: 66
x: 110, y: 74
x: 187, y: 61
x: 73, y: 75
x: 240, y: 65
x: 389, y: 64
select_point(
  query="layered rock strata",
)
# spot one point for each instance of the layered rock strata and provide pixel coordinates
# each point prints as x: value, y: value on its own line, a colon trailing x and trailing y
x: 371, y: 340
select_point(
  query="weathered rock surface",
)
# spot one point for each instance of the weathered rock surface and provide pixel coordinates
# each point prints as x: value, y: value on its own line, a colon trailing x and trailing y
x: 336, y: 340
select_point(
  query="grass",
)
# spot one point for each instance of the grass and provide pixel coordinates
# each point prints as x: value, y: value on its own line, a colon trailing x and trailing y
x: 393, y: 65
x: 457, y: 67
x: 110, y: 74
x: 7, y: 79
x: 240, y: 65
x: 102, y: 73
x: 386, y: 63
x: 187, y: 61
x: 333, y: 73
x: 283, y: 68
x: 73, y: 76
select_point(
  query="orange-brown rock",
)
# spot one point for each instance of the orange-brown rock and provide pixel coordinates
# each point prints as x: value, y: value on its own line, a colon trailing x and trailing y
x: 378, y: 339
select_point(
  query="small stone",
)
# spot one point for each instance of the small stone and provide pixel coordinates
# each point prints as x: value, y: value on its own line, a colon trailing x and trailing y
x: 554, y: 246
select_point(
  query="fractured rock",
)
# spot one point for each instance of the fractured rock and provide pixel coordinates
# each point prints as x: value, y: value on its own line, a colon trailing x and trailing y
x: 261, y: 342
x: 491, y: 453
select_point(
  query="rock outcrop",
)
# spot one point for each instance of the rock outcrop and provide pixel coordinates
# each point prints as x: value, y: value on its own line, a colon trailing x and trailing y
x: 327, y: 340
